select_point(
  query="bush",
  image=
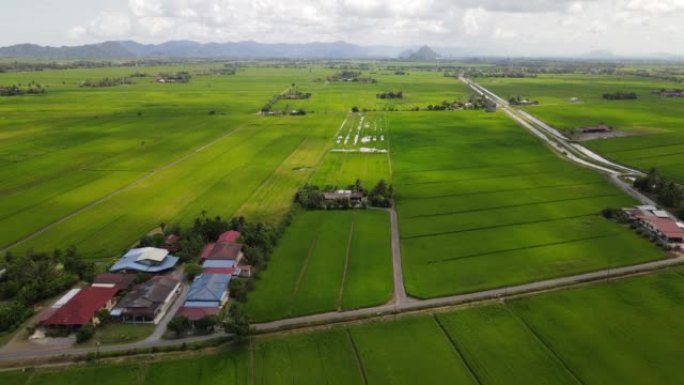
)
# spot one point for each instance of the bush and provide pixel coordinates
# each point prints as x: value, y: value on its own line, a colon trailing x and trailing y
x: 192, y: 270
x: 85, y: 333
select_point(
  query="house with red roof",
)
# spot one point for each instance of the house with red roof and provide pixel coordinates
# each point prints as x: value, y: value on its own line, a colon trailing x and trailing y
x: 81, y: 308
x: 230, y: 236
x: 225, y: 248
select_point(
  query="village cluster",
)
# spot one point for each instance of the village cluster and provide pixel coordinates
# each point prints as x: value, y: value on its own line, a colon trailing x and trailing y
x: 144, y: 285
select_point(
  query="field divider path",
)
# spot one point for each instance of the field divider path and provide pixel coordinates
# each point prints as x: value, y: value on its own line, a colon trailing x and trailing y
x: 346, y: 266
x: 457, y: 349
x: 545, y: 344
x: 251, y: 374
x: 359, y: 362
x: 121, y: 189
x: 370, y: 314
x: 302, y: 272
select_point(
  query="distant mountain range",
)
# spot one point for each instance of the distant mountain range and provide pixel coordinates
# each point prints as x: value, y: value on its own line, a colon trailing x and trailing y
x: 191, y: 49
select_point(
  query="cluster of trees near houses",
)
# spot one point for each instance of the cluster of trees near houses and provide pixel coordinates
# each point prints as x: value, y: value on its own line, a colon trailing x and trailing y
x: 519, y: 101
x: 620, y: 95
x: 32, y: 277
x: 350, y: 76
x: 291, y: 93
x: 473, y: 103
x: 177, y: 77
x: 258, y: 240
x: 673, y: 93
x: 312, y: 197
x: 32, y: 88
x: 666, y: 192
x: 390, y: 95
x: 668, y: 75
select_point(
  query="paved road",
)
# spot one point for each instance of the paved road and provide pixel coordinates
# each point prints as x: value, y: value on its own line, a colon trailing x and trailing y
x: 400, y: 296
x: 573, y: 151
x: 161, y: 327
x: 336, y: 317
x: 556, y: 283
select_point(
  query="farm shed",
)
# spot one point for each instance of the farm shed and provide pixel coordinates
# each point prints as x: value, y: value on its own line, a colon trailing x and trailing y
x: 80, y: 309
x: 146, y: 260
x: 148, y: 302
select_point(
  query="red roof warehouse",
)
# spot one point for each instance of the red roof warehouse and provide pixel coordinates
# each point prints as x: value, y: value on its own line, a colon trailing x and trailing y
x: 81, y: 309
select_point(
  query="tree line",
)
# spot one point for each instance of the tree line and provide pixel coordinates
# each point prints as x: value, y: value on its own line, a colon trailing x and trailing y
x: 32, y: 88
x: 390, y: 95
x: 620, y: 95
x: 106, y: 82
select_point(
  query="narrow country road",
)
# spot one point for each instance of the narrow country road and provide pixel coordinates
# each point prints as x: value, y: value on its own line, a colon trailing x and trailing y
x: 391, y: 308
x: 400, y: 296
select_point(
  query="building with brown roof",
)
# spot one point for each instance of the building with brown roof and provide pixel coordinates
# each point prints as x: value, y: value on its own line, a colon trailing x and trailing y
x: 149, y: 301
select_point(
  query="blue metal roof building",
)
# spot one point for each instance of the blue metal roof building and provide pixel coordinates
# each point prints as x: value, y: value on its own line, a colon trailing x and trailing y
x: 208, y: 290
x: 218, y: 263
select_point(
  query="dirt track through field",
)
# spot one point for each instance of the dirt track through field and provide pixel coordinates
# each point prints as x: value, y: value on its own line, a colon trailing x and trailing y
x: 346, y: 267
x: 302, y: 272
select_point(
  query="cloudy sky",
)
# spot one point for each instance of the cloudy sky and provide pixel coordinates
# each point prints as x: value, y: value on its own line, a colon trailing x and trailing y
x: 524, y: 27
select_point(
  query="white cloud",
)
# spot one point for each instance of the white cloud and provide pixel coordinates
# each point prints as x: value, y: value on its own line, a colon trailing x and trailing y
x: 548, y: 26
x: 105, y: 25
x: 655, y: 6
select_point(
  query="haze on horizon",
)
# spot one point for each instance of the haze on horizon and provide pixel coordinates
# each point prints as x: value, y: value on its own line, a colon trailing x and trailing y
x: 510, y: 27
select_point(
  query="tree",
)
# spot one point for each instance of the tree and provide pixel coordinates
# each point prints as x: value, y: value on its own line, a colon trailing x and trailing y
x: 85, y: 333
x: 179, y: 326
x: 355, y: 109
x: 238, y: 290
x: 206, y: 324
x: 192, y: 270
x: 103, y: 316
x: 381, y: 195
x: 238, y: 324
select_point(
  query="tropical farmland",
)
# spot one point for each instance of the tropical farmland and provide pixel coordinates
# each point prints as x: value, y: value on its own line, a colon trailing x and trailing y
x: 326, y: 261
x: 99, y: 167
x: 474, y: 216
x: 653, y: 124
x: 480, y: 202
x: 567, y: 337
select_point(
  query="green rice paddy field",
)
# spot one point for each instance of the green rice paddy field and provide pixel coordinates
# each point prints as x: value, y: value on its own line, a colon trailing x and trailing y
x: 656, y: 124
x: 327, y: 261
x: 481, y: 205
x: 100, y: 167
x: 625, y: 332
